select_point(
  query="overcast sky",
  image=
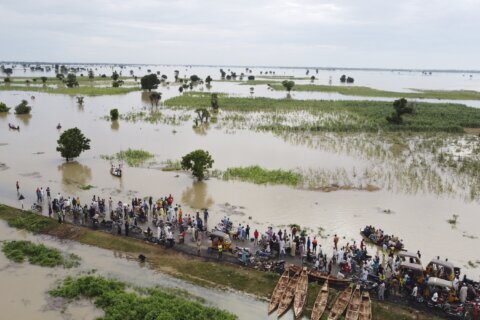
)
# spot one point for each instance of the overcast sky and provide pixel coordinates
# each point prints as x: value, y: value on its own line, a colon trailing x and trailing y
x: 442, y: 34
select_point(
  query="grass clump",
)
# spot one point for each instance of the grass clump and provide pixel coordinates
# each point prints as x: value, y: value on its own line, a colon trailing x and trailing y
x: 133, y: 157
x: 259, y: 175
x: 119, y: 301
x: 30, y: 221
x: 172, y: 165
x: 38, y: 254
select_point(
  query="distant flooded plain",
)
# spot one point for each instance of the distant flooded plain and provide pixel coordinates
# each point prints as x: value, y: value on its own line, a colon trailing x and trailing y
x: 418, y: 216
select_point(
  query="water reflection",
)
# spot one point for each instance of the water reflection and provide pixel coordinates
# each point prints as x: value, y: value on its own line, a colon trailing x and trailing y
x: 25, y: 118
x: 74, y: 175
x: 115, y: 125
x: 196, y: 196
x: 201, y: 129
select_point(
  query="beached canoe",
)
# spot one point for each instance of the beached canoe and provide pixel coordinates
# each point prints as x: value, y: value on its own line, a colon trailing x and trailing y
x: 316, y: 275
x: 341, y: 304
x: 320, y: 302
x: 354, y: 306
x: 365, y: 312
x: 288, y: 294
x: 300, y: 298
x: 278, y: 291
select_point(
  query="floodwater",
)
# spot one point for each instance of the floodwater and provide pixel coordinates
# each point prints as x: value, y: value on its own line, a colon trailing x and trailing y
x: 29, y: 156
x: 24, y: 288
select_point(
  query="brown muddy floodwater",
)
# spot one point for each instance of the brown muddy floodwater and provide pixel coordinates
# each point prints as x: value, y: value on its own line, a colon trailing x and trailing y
x: 29, y: 156
x: 25, y: 287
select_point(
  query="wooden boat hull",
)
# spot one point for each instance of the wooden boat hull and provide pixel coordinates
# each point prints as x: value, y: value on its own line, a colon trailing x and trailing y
x: 320, y: 303
x: 317, y: 275
x: 365, y: 312
x: 340, y: 304
x: 300, y: 294
x: 278, y: 291
x: 354, y: 306
x: 288, y: 295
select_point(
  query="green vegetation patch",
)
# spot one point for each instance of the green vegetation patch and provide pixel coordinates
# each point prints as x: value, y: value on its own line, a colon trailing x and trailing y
x: 38, y: 254
x: 259, y: 175
x: 343, y: 116
x: 120, y: 301
x: 28, y: 221
x: 371, y: 92
x: 132, y: 157
x: 82, y: 90
x: 172, y: 165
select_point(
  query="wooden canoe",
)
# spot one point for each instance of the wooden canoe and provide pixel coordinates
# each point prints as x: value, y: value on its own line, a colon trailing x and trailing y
x: 341, y: 304
x: 354, y: 306
x: 288, y: 294
x: 300, y: 294
x: 316, y: 275
x: 278, y: 291
x: 365, y: 312
x: 320, y: 302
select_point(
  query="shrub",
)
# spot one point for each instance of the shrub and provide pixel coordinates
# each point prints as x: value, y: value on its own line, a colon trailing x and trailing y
x: 114, y: 114
x: 23, y: 108
x: 3, y: 107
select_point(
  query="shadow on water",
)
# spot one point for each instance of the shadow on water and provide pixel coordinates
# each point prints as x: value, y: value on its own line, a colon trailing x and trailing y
x: 74, y: 175
x: 197, y: 196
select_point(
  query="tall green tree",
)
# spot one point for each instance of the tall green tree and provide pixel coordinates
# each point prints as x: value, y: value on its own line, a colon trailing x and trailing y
x: 149, y: 82
x: 91, y: 75
x: 115, y: 75
x: 71, y: 80
x: 214, y: 102
x: 198, y: 161
x: 72, y: 143
x: 401, y: 107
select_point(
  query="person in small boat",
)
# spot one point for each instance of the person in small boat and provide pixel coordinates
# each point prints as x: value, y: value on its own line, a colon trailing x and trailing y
x: 59, y: 126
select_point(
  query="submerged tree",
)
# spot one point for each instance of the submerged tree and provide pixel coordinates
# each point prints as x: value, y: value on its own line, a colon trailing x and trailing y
x: 72, y: 142
x: 114, y: 114
x: 208, y: 79
x: 401, y: 106
x: 198, y: 161
x: 3, y: 107
x: 203, y: 115
x: 44, y: 79
x: 149, y: 82
x: 23, y: 108
x: 80, y: 100
x: 115, y: 76
x: 90, y: 75
x: 288, y: 85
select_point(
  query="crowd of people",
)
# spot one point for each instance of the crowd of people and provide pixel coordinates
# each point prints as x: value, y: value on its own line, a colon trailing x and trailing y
x: 384, y: 271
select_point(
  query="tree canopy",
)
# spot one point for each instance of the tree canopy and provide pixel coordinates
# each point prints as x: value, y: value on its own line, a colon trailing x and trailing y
x: 288, y: 85
x: 149, y: 82
x: 72, y: 142
x: 71, y: 80
x: 23, y: 108
x: 401, y: 106
x: 3, y: 107
x: 198, y: 161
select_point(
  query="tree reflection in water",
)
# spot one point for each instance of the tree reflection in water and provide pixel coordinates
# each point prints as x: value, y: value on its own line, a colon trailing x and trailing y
x: 74, y: 175
x: 196, y: 196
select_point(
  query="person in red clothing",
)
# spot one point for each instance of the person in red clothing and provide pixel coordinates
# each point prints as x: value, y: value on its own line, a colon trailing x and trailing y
x: 255, y: 236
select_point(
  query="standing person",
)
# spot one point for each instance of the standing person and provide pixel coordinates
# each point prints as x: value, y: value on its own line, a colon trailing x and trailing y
x: 255, y: 237
x: 314, y: 245
x: 150, y: 202
x: 220, y: 250
x: 18, y: 187
x: 205, y: 216
x: 335, y: 242
x: 381, y: 291
x: 50, y: 210
x: 48, y: 194
x: 463, y: 293
x: 282, y: 248
x: 199, y: 243
x: 330, y: 266
x: 308, y: 244
x: 247, y: 232
x: 126, y: 227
